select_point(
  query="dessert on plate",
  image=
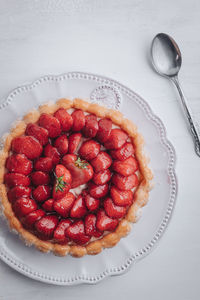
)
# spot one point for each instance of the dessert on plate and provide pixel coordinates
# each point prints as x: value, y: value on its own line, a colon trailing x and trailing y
x: 73, y: 177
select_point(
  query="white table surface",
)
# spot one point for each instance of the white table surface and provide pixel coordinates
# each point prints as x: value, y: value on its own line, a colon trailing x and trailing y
x: 112, y: 38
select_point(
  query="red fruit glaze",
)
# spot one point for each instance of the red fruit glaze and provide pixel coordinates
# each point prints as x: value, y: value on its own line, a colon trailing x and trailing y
x: 112, y: 210
x: 101, y: 162
x: 124, y: 152
x: 44, y: 164
x: 27, y: 145
x: 65, y: 119
x: 91, y: 126
x: 116, y: 139
x: 45, y: 226
x: 78, y: 120
x: 16, y: 179
x: 50, y: 123
x: 63, y: 206
x: 32, y: 218
x: 105, y: 126
x: 98, y: 191
x: 23, y: 206
x: 79, y: 209
x: 89, y: 150
x: 90, y: 226
x: 48, y: 205
x: 41, y: 134
x: 125, y: 167
x: 74, y: 140
x: 39, y: 178
x: 59, y: 233
x: 104, y: 222
x: 19, y: 163
x: 121, y: 198
x: 76, y: 232
x: 41, y: 193
x: 61, y: 143
x: 62, y: 182
x: 91, y: 203
x: 19, y: 192
x: 125, y: 183
x: 102, y: 177
x: 53, y: 153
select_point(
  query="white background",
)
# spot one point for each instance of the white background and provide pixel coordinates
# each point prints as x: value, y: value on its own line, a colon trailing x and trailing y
x: 112, y: 38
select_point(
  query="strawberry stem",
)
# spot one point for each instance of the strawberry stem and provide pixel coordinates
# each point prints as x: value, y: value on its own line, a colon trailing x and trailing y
x: 81, y: 164
x: 60, y: 183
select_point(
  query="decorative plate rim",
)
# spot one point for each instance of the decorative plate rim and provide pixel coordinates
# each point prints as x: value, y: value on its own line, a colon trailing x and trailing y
x: 61, y: 280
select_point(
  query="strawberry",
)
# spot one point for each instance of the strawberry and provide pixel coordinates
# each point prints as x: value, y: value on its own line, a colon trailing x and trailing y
x: 101, y: 162
x: 89, y: 149
x: 41, y: 193
x: 44, y: 164
x: 61, y: 143
x: 14, y: 179
x: 90, y: 226
x: 53, y: 153
x: 41, y: 134
x: 91, y: 203
x: 23, y: 206
x: 62, y: 183
x: 116, y: 139
x: 65, y: 119
x: 78, y: 120
x: 91, y: 126
x: 125, y: 183
x: 76, y: 232
x: 45, y: 226
x: 79, y: 209
x: 104, y: 222
x: 98, y: 191
x: 102, y: 177
x: 125, y: 167
x: 40, y: 178
x: 112, y: 210
x: 18, y: 163
x: 80, y: 170
x: 59, y: 233
x: 50, y: 123
x: 74, y: 140
x: 27, y: 145
x: 63, y: 205
x: 48, y: 205
x: 29, y: 220
x: 19, y: 192
x: 105, y: 126
x: 121, y: 198
x: 124, y: 152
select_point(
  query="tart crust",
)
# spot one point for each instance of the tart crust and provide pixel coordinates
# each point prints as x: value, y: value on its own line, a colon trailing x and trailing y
x: 140, y: 195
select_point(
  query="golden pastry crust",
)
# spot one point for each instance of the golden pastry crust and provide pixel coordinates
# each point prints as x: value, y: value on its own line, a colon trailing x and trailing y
x: 140, y: 196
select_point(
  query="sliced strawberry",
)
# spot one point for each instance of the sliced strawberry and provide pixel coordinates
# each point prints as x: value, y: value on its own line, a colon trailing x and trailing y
x: 23, y: 206
x: 13, y: 179
x: 89, y: 149
x: 59, y: 233
x: 53, y: 153
x: 74, y: 140
x: 48, y: 205
x: 121, y: 198
x: 61, y: 143
x: 101, y: 162
x: 91, y: 203
x: 112, y: 210
x: 41, y: 134
x: 78, y: 120
x: 125, y: 183
x: 102, y: 177
x: 105, y: 126
x: 90, y: 226
x: 91, y: 126
x: 40, y: 178
x: 19, y: 192
x: 18, y: 163
x: 50, y: 123
x: 63, y: 205
x: 98, y: 191
x: 124, y: 152
x: 63, y: 181
x: 104, y: 222
x: 45, y: 226
x: 27, y: 145
x: 44, y: 164
x: 76, y: 232
x: 116, y: 139
x: 65, y: 119
x: 41, y: 193
x: 29, y: 220
x: 125, y: 167
x: 79, y: 209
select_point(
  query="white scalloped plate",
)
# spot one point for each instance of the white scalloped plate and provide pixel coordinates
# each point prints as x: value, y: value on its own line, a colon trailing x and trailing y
x: 155, y: 215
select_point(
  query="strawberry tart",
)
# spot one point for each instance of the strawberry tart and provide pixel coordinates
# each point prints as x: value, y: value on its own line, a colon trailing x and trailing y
x: 73, y: 177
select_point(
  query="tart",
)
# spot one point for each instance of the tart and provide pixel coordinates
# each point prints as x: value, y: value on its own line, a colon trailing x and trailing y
x: 73, y: 177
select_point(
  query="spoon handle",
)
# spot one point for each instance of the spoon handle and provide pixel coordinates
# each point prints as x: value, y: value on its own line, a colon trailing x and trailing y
x: 188, y: 115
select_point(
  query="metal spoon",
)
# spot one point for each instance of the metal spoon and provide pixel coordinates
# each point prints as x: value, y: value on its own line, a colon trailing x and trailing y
x: 166, y: 59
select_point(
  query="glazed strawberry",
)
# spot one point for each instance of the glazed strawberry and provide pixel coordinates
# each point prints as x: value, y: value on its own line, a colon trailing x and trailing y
x: 78, y: 120
x: 101, y: 162
x: 76, y: 232
x: 89, y: 150
x: 45, y: 226
x: 116, y: 139
x: 41, y: 193
x: 79, y: 209
x: 65, y: 119
x: 53, y: 153
x: 40, y: 178
x: 104, y: 222
x: 112, y: 210
x: 125, y: 167
x: 63, y: 205
x: 90, y: 226
x: 48, y: 205
x: 105, y: 126
x: 61, y: 143
x: 59, y: 233
x: 32, y: 218
x: 91, y: 203
x: 19, y: 192
x: 13, y: 179
x: 19, y: 163
x: 23, y: 206
x: 44, y: 164
x: 27, y: 145
x: 74, y: 140
x: 50, y: 123
x: 125, y: 183
x: 98, y: 191
x: 124, y: 152
x: 91, y: 126
x: 41, y: 134
x: 102, y: 177
x: 63, y: 181
x: 121, y: 198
